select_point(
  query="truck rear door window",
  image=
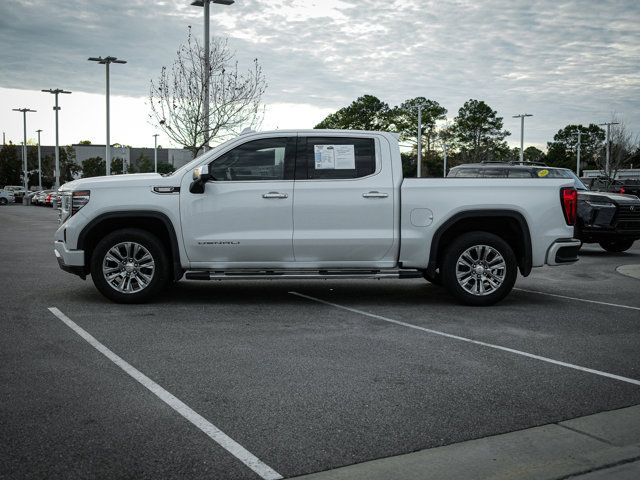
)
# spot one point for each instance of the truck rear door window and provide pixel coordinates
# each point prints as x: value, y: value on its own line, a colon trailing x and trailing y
x: 335, y: 157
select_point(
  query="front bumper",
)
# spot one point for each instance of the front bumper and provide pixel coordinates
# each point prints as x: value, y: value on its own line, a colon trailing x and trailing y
x: 562, y: 252
x: 71, y: 261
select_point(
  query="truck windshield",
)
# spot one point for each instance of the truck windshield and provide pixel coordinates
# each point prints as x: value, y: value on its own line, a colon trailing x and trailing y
x: 576, y: 179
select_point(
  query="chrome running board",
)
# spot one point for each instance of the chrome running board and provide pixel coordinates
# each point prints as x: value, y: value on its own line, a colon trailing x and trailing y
x: 324, y: 274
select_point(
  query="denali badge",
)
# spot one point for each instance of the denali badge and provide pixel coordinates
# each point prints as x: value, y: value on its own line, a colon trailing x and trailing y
x: 219, y: 243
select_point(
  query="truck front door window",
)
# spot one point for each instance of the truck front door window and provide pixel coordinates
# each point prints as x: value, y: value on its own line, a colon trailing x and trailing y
x: 257, y: 160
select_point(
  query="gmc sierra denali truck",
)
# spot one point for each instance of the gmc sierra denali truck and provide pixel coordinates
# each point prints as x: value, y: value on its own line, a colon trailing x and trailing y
x: 311, y: 204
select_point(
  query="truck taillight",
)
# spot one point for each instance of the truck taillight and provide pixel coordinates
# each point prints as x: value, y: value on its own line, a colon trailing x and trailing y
x: 78, y: 200
x: 622, y: 190
x: 569, y: 201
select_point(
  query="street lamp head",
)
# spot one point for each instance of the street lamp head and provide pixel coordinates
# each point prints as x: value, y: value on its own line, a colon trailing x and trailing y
x: 105, y: 60
x: 523, y: 115
x: 56, y: 90
x: 200, y: 3
x: 23, y: 110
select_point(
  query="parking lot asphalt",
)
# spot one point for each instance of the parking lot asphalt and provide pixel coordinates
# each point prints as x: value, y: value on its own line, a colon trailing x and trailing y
x: 306, y: 376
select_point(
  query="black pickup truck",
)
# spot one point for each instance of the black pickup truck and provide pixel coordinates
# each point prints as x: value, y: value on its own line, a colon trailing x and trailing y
x: 610, y: 219
x: 602, y: 184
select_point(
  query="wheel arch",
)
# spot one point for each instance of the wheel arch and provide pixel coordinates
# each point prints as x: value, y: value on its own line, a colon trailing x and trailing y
x: 154, y: 222
x: 509, y: 225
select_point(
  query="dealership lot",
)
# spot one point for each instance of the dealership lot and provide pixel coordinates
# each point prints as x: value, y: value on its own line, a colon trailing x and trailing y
x: 304, y: 377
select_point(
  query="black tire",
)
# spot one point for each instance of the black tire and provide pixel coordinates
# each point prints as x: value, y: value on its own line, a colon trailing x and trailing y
x: 617, y: 246
x: 158, y: 279
x: 3, y: 201
x: 499, y: 281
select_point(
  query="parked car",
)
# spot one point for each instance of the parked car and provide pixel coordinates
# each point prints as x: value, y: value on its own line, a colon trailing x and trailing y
x: 610, y: 219
x: 6, y: 196
x: 232, y: 214
x: 18, y: 191
x: 39, y: 197
x: 52, y: 196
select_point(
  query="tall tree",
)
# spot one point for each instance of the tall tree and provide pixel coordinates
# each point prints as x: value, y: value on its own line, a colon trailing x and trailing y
x: 177, y: 98
x: 563, y: 150
x: 93, y: 167
x: 405, y: 121
x: 479, y: 133
x: 364, y: 113
x: 10, y: 165
x: 623, y: 148
x: 533, y: 154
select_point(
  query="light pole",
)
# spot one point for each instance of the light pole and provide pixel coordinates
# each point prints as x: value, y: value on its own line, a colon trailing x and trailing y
x: 56, y: 108
x: 24, y: 149
x: 107, y: 61
x: 521, y: 117
x: 155, y: 153
x: 608, y: 124
x: 207, y: 60
x: 419, y: 174
x: 579, y: 145
x: 445, y: 147
x: 39, y: 162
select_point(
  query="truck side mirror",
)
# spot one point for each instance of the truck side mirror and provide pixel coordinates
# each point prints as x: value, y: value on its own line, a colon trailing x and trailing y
x: 201, y: 176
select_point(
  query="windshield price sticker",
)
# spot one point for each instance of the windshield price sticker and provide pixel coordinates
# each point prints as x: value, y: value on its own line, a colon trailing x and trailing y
x: 335, y: 157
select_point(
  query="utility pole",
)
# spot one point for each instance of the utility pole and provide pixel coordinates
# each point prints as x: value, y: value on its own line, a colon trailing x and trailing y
x: 107, y: 61
x: 608, y: 124
x: 155, y: 153
x: 579, y: 145
x: 56, y: 108
x: 419, y: 174
x: 522, y: 117
x: 207, y: 61
x: 39, y: 162
x: 25, y: 178
x: 445, y: 147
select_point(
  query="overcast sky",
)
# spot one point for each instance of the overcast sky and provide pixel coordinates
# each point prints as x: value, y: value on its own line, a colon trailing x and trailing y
x: 563, y: 61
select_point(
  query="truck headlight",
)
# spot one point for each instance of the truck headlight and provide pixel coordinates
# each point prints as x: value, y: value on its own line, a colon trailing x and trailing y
x: 79, y: 199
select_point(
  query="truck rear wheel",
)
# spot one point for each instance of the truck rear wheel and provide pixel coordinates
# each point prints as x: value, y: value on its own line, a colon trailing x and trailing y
x: 617, y: 246
x: 479, y: 268
x: 129, y: 266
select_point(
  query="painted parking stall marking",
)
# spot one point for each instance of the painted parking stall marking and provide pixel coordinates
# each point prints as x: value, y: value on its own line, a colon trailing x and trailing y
x: 607, y: 304
x: 469, y: 340
x: 213, y: 432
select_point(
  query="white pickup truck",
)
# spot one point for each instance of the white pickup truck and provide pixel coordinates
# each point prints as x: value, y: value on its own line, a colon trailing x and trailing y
x: 311, y: 204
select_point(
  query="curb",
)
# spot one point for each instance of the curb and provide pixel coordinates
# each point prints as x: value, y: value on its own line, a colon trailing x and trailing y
x: 604, y: 445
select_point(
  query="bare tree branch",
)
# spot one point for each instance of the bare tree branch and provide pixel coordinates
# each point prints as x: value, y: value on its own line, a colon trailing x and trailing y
x: 176, y: 98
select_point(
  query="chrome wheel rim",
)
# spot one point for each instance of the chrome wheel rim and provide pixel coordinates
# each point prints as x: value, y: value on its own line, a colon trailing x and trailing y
x: 481, y: 270
x: 128, y: 267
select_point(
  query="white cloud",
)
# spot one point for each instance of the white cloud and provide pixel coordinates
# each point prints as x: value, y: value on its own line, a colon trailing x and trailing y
x: 566, y: 62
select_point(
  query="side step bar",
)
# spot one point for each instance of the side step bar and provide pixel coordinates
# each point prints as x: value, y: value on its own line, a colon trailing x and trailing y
x: 299, y: 274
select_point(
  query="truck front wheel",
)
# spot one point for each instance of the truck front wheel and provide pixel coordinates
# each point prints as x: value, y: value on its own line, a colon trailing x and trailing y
x: 479, y: 268
x: 129, y: 266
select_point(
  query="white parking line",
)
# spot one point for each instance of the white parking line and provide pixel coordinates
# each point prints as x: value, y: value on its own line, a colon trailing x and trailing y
x: 213, y: 432
x: 578, y: 299
x: 469, y: 340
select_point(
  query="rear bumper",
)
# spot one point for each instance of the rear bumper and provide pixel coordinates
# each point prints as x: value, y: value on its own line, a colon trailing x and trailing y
x: 71, y: 261
x: 563, y: 251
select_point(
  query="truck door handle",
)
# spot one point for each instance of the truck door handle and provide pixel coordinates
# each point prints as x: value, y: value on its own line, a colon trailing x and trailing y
x: 375, y: 195
x: 275, y: 195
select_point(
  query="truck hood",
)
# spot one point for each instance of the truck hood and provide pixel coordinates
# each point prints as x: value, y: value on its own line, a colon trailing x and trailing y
x: 617, y: 198
x: 117, y: 181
